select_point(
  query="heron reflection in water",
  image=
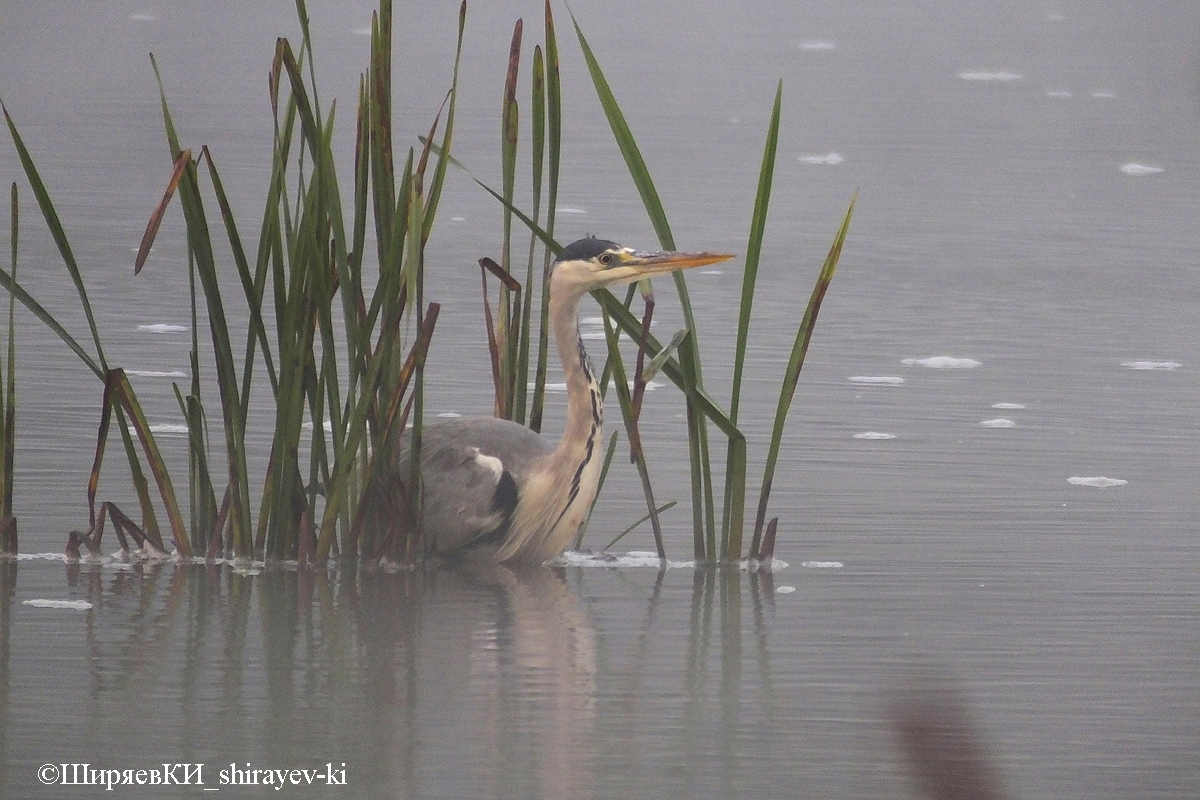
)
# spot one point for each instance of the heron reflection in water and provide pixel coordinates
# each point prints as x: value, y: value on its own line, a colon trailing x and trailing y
x: 498, y: 488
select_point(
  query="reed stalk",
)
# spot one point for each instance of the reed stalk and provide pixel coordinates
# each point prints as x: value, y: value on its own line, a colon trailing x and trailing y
x: 8, y: 402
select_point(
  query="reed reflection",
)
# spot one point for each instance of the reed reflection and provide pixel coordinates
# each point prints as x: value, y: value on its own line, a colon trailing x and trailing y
x: 471, y: 680
x: 487, y: 680
x: 474, y: 679
x: 8, y: 590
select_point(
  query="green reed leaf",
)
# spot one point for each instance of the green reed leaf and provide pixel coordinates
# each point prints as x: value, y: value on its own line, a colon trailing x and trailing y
x: 621, y: 382
x: 58, y: 233
x: 795, y: 363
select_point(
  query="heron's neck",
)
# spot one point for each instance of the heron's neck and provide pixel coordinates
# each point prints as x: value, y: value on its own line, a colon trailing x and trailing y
x: 585, y: 409
x: 557, y: 496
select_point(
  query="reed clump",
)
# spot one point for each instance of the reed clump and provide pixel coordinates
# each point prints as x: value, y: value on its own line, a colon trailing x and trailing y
x: 340, y: 345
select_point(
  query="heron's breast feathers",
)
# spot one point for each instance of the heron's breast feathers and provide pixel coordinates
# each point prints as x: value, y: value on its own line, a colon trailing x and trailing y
x: 552, y: 504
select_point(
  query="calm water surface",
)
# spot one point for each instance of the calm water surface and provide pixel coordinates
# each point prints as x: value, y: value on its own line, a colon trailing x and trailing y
x: 1028, y: 176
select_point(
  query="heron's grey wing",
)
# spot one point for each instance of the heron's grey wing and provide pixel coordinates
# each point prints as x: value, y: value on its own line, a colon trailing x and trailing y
x: 472, y: 471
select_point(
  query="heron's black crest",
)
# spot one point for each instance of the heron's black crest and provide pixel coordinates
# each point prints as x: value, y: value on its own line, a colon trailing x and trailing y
x: 584, y: 249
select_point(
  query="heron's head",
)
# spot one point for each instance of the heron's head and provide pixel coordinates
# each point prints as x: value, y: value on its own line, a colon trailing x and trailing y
x: 594, y: 263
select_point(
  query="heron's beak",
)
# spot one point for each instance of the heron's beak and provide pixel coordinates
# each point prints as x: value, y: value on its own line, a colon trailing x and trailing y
x: 646, y: 264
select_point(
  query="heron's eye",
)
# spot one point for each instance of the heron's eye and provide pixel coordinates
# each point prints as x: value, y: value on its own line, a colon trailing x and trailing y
x: 606, y: 259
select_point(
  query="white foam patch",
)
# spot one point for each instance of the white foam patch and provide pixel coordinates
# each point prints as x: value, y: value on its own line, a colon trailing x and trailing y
x: 822, y: 564
x: 1008, y: 406
x: 1161, y: 365
x: 755, y: 565
x: 143, y: 17
x: 999, y: 422
x: 784, y: 589
x: 830, y: 159
x: 240, y: 565
x: 815, y: 45
x: 1103, y: 95
x: 1098, y: 481
x: 981, y: 75
x: 942, y: 362
x: 327, y: 425
x: 570, y: 210
x: 364, y: 31
x: 41, y: 556
x: 876, y: 380
x: 634, y: 558
x: 644, y: 558
x: 874, y: 435
x: 712, y: 272
x: 449, y: 415
x: 1140, y: 169
x: 1058, y: 93
x: 151, y: 373
x: 168, y: 428
x: 78, y: 605
x: 163, y: 327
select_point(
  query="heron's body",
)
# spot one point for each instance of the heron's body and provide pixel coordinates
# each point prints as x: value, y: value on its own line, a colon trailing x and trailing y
x: 495, y: 486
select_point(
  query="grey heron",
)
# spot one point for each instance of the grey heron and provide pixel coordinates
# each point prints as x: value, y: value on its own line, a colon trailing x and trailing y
x: 498, y: 488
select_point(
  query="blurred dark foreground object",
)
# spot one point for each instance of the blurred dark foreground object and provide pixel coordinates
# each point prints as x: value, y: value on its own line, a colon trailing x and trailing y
x: 945, y: 750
